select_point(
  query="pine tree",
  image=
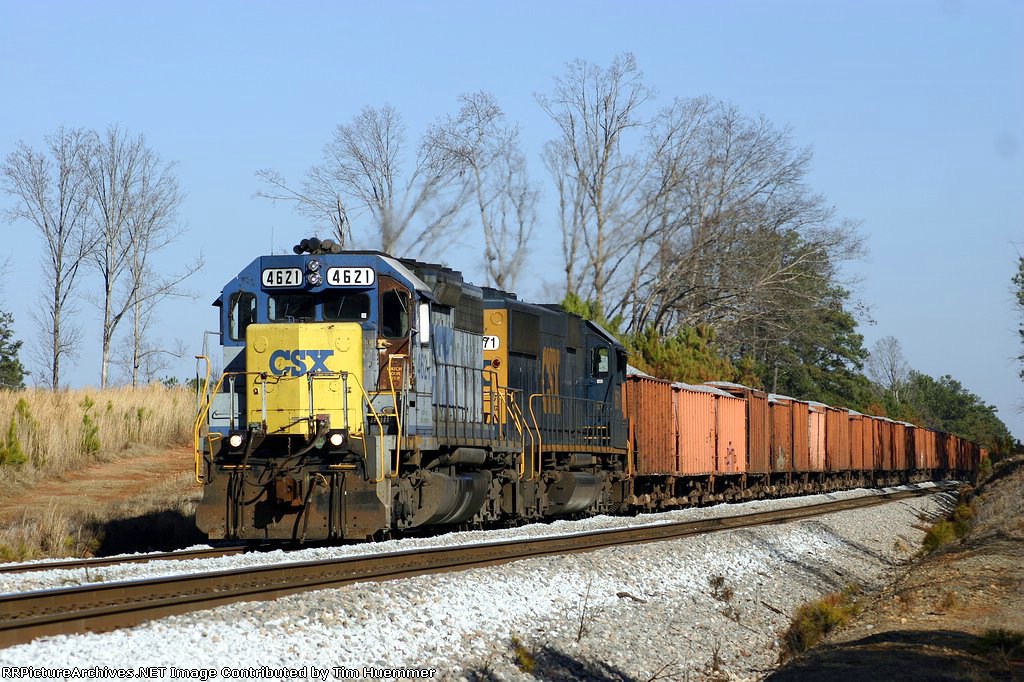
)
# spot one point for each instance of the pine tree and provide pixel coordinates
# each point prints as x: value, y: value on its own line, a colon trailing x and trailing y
x: 12, y: 372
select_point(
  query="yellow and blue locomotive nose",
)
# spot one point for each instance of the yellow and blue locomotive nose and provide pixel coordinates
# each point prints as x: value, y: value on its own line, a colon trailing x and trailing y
x: 299, y: 372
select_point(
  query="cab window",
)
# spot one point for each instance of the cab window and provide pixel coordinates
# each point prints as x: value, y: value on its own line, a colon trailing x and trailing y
x: 290, y: 307
x: 394, y: 314
x: 241, y: 314
x: 344, y: 306
x: 600, y: 362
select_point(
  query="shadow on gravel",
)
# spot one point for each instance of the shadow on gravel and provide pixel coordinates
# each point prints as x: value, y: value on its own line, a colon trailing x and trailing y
x: 901, y: 655
x: 550, y: 665
x: 163, y: 531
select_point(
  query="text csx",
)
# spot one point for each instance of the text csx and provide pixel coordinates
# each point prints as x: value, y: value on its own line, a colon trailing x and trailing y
x: 299, y: 362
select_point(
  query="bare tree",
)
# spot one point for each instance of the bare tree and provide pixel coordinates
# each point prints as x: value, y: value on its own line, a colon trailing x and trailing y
x: 597, y: 178
x: 140, y: 359
x: 887, y: 367
x: 135, y: 203
x: 51, y: 193
x: 487, y: 152
x: 732, y: 236
x: 362, y: 173
x: 320, y: 200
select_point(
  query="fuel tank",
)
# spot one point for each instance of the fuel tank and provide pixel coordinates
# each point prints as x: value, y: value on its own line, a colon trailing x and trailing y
x: 571, y: 492
x: 429, y: 497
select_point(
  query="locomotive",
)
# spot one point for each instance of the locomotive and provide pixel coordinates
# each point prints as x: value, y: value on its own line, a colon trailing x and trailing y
x: 362, y: 394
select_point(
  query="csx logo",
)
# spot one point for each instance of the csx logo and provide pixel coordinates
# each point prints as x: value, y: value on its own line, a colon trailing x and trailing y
x: 298, y: 362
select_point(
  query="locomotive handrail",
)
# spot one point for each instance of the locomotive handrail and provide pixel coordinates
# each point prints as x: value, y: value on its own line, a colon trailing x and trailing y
x: 216, y: 437
x: 519, y: 421
x: 535, y: 455
x: 500, y: 397
x: 203, y: 409
x: 398, y: 412
x: 597, y: 427
x: 496, y: 397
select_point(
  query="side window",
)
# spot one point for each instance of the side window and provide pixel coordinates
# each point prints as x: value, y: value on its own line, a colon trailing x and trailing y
x: 241, y: 314
x: 394, y: 314
x: 291, y: 308
x: 342, y: 306
x: 600, y: 362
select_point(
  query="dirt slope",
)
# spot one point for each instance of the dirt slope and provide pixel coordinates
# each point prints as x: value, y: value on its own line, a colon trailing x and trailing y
x: 101, y: 486
x: 931, y: 624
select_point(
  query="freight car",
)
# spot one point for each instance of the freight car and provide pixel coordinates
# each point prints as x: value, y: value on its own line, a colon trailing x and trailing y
x: 361, y: 394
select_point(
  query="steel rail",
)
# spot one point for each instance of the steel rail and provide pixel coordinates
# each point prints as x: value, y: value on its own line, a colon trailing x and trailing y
x: 102, y: 607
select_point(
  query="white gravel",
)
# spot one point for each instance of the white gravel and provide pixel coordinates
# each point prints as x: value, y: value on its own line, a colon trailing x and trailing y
x: 625, y: 613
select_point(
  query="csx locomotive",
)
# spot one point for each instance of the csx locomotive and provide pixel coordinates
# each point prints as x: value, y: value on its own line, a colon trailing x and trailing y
x: 363, y: 394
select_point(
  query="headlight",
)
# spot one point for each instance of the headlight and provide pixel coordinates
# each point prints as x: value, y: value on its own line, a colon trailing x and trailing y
x: 315, y: 279
x: 336, y: 439
x: 235, y: 441
x: 313, y: 265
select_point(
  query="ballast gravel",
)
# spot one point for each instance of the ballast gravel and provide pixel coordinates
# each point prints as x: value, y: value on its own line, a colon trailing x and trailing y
x: 712, y: 606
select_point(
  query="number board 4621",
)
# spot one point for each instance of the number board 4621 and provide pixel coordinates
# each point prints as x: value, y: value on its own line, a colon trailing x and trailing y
x: 281, y: 277
x: 350, y: 277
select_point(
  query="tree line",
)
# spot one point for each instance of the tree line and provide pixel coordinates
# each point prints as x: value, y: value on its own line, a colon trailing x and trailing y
x: 687, y: 226
x: 103, y: 202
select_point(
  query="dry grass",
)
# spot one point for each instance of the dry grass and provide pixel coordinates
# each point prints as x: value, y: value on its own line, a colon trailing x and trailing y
x: 47, y: 432
x: 44, y: 434
x: 53, y: 534
x: 163, y: 518
x: 1001, y: 507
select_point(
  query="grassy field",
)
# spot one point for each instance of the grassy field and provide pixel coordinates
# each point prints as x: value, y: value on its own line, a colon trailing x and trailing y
x: 46, y: 432
x: 45, y: 436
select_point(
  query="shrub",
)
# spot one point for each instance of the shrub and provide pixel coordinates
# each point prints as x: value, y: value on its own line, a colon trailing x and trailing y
x: 1007, y: 643
x: 90, y: 431
x: 11, y: 453
x: 942, y: 533
x: 962, y: 516
x: 814, y: 621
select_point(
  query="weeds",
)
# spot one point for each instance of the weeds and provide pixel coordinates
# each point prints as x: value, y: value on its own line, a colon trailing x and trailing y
x: 947, y: 530
x: 719, y: 590
x: 962, y: 516
x: 714, y: 670
x: 583, y: 622
x: 524, y: 656
x: 52, y: 535
x: 942, y: 533
x: 816, y: 620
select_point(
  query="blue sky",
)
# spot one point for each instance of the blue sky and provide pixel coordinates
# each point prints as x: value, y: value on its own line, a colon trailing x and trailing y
x: 914, y: 110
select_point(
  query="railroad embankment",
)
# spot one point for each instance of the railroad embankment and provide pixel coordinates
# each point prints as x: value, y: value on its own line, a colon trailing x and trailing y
x: 955, y: 613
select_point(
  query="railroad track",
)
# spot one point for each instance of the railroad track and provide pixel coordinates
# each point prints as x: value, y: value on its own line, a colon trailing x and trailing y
x: 99, y: 562
x: 102, y: 607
